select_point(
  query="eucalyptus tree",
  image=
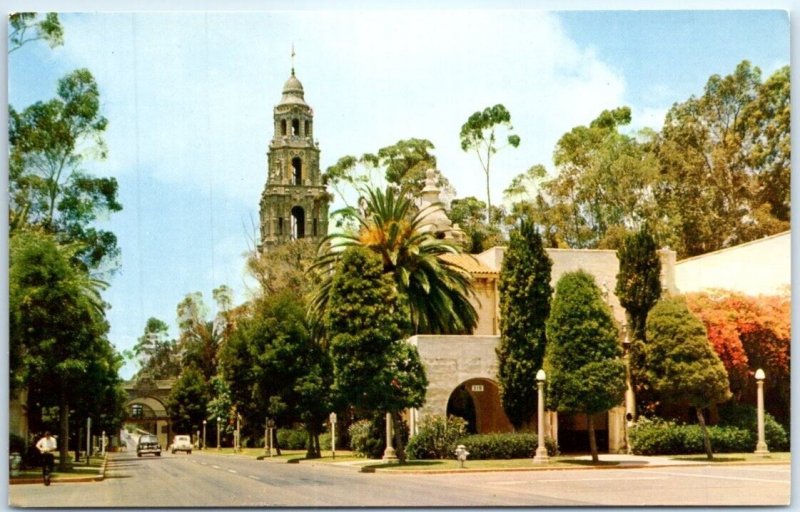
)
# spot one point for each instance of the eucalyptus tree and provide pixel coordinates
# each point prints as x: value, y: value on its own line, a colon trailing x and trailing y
x: 480, y: 133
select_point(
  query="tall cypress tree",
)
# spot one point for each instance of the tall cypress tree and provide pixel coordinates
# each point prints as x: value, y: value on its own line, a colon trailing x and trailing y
x: 639, y: 288
x: 639, y: 279
x: 524, y: 307
x: 583, y: 363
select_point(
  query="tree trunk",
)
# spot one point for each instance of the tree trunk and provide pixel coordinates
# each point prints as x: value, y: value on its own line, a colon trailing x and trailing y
x: 275, y: 442
x: 706, y: 439
x: 63, y: 415
x: 398, y: 438
x: 592, y: 440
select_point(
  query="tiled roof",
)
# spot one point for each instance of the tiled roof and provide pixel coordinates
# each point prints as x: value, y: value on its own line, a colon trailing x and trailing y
x: 469, y: 263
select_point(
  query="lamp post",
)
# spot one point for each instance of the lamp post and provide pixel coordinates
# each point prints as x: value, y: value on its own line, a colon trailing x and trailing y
x: 204, y: 436
x: 218, y: 420
x: 541, y: 451
x: 389, y: 454
x: 761, y: 446
x: 630, y: 398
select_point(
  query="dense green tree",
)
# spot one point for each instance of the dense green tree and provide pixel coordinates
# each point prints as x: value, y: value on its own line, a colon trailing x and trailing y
x: 525, y: 291
x: 583, y: 358
x: 603, y: 181
x: 769, y: 143
x: 470, y: 215
x: 199, y: 339
x: 48, y: 188
x: 157, y: 355
x: 681, y: 364
x: 435, y: 290
x: 367, y: 320
x: 723, y: 159
x: 58, y: 345
x: 405, y: 163
x: 188, y: 401
x: 481, y: 133
x: 26, y: 27
x: 273, y: 367
x: 638, y: 289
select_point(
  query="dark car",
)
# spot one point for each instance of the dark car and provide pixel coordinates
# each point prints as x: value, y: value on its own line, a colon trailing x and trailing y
x: 148, y: 443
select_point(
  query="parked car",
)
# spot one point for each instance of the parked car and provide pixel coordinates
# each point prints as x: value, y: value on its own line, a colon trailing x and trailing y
x: 182, y: 444
x: 148, y: 443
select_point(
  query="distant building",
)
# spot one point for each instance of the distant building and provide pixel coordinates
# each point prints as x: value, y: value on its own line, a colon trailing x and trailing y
x: 294, y: 203
x: 462, y: 370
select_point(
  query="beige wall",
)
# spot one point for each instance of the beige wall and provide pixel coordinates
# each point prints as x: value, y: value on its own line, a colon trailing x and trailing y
x: 760, y: 267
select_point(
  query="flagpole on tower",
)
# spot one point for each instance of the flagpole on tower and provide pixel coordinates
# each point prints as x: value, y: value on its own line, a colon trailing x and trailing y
x: 292, y: 59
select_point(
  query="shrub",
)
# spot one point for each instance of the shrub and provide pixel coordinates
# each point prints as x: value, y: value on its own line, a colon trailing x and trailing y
x: 745, y: 417
x: 659, y: 437
x: 436, y: 438
x: 325, y: 441
x: 505, y: 446
x: 292, y: 438
x: 359, y: 437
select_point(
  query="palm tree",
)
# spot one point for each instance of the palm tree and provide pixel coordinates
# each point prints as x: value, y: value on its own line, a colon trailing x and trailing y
x: 437, y: 290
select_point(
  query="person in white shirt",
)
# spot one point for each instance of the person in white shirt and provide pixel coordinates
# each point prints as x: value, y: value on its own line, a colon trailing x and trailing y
x: 47, y: 447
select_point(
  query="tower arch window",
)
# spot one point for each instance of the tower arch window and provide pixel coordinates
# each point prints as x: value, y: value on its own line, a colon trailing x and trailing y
x: 283, y: 127
x: 297, y: 166
x: 307, y: 131
x: 280, y: 226
x: 295, y: 127
x: 298, y: 222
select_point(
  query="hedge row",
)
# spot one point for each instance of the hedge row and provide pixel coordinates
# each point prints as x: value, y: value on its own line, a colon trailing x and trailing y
x: 297, y: 439
x: 505, y: 446
x: 438, y: 437
x: 660, y: 437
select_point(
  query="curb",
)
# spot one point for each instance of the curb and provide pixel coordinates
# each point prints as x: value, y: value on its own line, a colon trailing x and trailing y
x: 367, y: 469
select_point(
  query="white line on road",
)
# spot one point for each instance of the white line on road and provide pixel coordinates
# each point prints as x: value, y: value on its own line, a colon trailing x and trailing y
x: 231, y: 471
x: 720, y: 477
x: 253, y: 477
x: 517, y: 482
x: 215, y: 466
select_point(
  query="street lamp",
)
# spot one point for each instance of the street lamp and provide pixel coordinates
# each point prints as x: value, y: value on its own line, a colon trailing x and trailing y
x: 204, y: 435
x: 218, y: 420
x: 761, y: 446
x: 630, y: 398
x: 541, y: 452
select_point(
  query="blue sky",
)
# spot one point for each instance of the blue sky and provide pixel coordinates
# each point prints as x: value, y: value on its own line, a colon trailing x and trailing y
x: 189, y: 99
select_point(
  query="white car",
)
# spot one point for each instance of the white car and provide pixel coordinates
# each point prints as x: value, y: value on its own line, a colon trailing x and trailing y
x: 182, y: 444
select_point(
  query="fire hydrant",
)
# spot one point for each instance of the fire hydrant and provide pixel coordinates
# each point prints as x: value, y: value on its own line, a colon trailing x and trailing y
x: 461, y: 454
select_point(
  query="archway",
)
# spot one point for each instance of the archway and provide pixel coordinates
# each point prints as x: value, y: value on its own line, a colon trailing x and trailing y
x: 298, y: 222
x: 478, y: 402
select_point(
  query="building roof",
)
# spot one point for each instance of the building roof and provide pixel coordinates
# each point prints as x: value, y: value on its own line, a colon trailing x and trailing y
x: 469, y: 263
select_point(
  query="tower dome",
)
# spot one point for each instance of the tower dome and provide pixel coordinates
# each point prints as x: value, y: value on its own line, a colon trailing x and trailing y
x: 293, y: 91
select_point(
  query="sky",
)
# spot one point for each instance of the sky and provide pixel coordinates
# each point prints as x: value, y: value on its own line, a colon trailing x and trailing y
x: 189, y: 98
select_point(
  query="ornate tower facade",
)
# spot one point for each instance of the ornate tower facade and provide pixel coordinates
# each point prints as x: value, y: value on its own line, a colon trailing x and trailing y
x: 294, y: 203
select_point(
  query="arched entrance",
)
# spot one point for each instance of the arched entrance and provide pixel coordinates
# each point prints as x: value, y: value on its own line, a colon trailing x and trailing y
x: 478, y: 402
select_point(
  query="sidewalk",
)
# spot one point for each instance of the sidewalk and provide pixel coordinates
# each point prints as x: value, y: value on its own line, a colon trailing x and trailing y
x: 79, y: 474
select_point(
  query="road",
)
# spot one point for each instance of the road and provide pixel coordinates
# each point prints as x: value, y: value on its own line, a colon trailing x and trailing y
x: 210, y: 480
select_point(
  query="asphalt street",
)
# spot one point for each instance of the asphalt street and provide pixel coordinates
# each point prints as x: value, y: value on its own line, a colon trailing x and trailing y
x: 211, y: 480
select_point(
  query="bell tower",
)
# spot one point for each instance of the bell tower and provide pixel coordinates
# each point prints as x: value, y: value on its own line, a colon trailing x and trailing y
x: 294, y: 203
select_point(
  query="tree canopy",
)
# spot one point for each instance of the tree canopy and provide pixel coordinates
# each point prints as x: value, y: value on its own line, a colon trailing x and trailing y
x: 681, y: 364
x: 583, y: 358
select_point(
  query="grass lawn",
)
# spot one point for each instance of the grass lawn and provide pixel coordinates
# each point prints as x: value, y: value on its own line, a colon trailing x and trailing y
x: 749, y: 458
